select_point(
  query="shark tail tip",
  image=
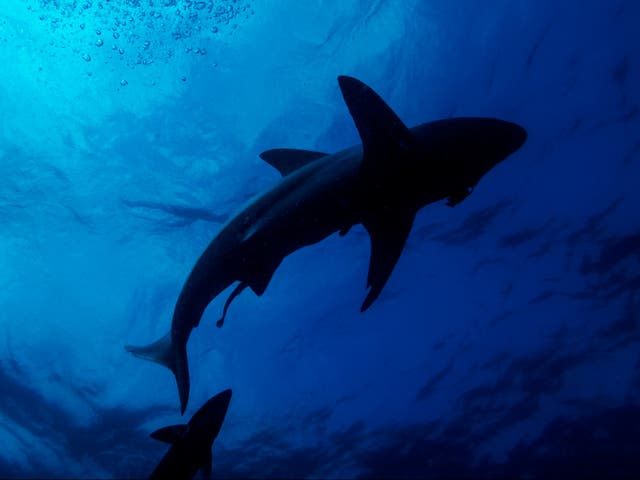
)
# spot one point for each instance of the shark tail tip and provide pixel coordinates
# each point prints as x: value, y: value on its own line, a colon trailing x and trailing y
x: 165, y: 352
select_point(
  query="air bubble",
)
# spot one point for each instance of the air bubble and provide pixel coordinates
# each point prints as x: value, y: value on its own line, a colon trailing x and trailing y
x: 171, y: 23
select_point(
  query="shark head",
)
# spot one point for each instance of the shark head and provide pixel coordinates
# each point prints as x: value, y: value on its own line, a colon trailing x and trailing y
x: 403, y: 170
x: 460, y: 151
x: 206, y: 422
x: 435, y: 160
x: 479, y: 144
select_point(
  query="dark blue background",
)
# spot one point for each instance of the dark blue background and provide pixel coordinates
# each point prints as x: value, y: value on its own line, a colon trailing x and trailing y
x: 506, y: 341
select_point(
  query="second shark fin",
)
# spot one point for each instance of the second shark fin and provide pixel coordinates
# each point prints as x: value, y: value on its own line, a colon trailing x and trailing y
x: 171, y: 356
x: 388, y: 235
x: 384, y: 137
x: 170, y: 434
x: 207, y: 466
x: 287, y: 160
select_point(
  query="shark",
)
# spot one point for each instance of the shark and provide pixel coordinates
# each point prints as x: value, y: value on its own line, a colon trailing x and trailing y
x: 381, y: 184
x: 191, y: 444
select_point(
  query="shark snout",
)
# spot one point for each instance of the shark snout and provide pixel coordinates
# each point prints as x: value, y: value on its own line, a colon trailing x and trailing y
x: 519, y: 136
x: 492, y: 140
x: 499, y: 140
x: 216, y: 409
x: 225, y: 397
x: 513, y: 135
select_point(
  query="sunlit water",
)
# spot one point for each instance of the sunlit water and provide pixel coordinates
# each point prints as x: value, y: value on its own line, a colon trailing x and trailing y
x: 505, y: 342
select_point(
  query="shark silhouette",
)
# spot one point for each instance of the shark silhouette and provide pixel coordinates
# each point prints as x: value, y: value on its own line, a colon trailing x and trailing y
x: 380, y: 184
x: 191, y: 443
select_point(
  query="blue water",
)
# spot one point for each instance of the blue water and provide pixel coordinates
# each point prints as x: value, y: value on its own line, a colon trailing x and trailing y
x: 506, y: 340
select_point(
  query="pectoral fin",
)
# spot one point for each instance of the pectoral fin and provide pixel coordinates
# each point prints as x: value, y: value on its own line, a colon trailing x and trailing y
x: 170, y: 434
x: 388, y: 235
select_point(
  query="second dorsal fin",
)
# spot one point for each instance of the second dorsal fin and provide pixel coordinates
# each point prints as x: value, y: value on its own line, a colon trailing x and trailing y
x: 287, y: 160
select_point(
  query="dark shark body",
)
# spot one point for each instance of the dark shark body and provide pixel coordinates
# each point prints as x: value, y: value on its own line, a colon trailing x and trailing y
x: 381, y: 184
x: 191, y: 443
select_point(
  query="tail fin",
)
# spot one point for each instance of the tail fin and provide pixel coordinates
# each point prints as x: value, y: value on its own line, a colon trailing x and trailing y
x: 174, y: 357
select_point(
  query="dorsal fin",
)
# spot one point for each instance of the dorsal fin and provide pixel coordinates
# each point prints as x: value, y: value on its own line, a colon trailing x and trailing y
x: 287, y: 160
x: 384, y: 136
x: 170, y: 434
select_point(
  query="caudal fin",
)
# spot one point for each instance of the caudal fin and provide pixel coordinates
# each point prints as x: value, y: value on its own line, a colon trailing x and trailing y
x: 173, y: 357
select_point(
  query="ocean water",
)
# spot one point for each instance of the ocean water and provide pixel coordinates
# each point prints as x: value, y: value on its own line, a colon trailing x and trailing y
x: 505, y: 342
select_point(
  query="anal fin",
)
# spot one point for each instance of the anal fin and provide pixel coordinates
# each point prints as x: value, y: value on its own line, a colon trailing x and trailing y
x: 388, y: 234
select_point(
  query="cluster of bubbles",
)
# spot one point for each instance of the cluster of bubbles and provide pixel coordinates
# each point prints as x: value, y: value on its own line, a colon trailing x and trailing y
x: 139, y: 32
